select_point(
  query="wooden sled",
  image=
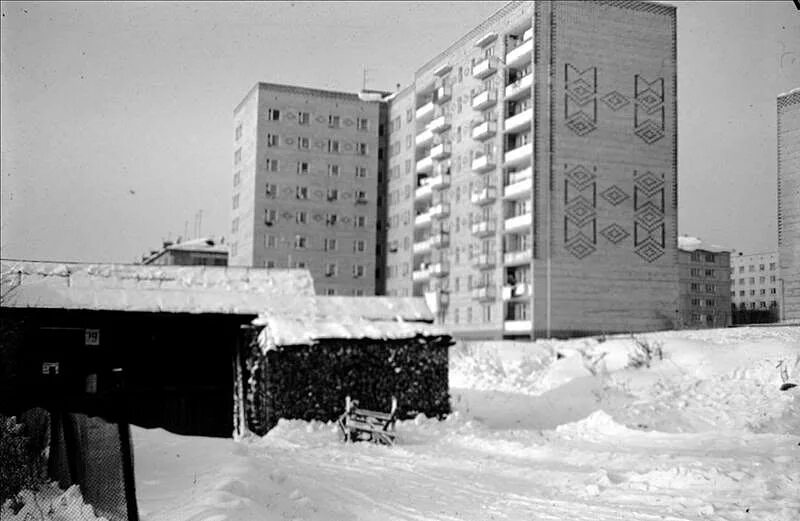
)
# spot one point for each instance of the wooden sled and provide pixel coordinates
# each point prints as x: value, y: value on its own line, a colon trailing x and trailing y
x: 365, y: 425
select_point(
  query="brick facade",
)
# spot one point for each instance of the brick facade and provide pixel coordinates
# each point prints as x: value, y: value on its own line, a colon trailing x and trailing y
x: 789, y: 202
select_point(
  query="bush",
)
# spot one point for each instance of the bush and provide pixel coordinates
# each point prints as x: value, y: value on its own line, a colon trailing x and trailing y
x: 647, y: 350
x: 20, y: 467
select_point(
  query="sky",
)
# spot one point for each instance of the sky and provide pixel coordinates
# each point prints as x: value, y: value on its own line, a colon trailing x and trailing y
x: 116, y: 118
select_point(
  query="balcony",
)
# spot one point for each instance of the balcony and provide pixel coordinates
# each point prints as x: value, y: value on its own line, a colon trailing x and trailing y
x: 423, y: 191
x: 425, y: 111
x: 423, y: 219
x: 440, y: 269
x: 439, y: 124
x: 520, y: 155
x: 424, y: 137
x: 484, y: 130
x: 517, y: 291
x: 484, y: 228
x: 436, y: 299
x: 421, y: 275
x: 439, y: 182
x: 422, y: 247
x: 518, y: 326
x: 425, y: 165
x: 441, y: 151
x: 484, y: 261
x: 519, y: 121
x: 440, y: 211
x: 443, y: 94
x: 519, y: 88
x: 484, y: 68
x: 519, y: 184
x: 440, y: 240
x: 518, y: 257
x: 483, y: 163
x: 520, y: 54
x: 519, y: 222
x: 484, y: 294
x: 484, y: 99
x: 485, y: 195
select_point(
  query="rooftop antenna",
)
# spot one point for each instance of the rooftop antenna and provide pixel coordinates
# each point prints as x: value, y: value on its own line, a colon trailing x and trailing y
x: 186, y: 229
x: 364, y: 79
x: 200, y: 223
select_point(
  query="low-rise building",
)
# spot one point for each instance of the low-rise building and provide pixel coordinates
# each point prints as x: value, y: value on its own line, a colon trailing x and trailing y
x: 196, y: 252
x: 705, y: 285
x: 755, y: 287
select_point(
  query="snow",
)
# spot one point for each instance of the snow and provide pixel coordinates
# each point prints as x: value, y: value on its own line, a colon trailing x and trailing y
x: 581, y: 430
x: 51, y: 503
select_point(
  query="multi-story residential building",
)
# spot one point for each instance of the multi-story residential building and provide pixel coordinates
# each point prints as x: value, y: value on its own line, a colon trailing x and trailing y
x: 532, y: 173
x: 305, y: 184
x: 194, y: 252
x: 789, y: 202
x: 755, y: 284
x: 705, y: 284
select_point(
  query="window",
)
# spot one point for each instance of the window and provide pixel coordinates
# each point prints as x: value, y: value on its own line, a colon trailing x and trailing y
x: 709, y: 273
x: 358, y: 271
x: 301, y: 217
x: 752, y: 280
x: 695, y: 272
x: 773, y: 291
x: 362, y: 149
x: 695, y: 301
x: 487, y: 314
x: 333, y: 194
x: 711, y: 288
x: 360, y: 221
x: 270, y: 217
x: 333, y: 170
x: 272, y: 165
x: 409, y: 115
x: 302, y: 265
x: 358, y: 292
x: 236, y: 201
x: 406, y: 243
x: 359, y: 246
x: 333, y: 121
x: 362, y: 124
x: 237, y: 178
x: 752, y: 292
x: 331, y: 219
x: 235, y: 225
x: 409, y: 141
x: 234, y: 249
x: 361, y: 171
x: 360, y: 196
x: 696, y: 256
x: 762, y: 280
x: 302, y: 143
x: 331, y: 269
x: 751, y: 268
x: 694, y: 286
x: 760, y: 267
x: 741, y: 293
x: 270, y: 241
x: 237, y: 156
x: 762, y: 292
x: 269, y: 263
x: 329, y: 245
x: 741, y: 269
x: 238, y: 132
x: 274, y: 114
x: 300, y: 242
x: 302, y: 192
x: 330, y: 291
x: 302, y: 168
x: 771, y: 266
x: 772, y: 278
x: 333, y: 146
x: 270, y: 191
x: 272, y: 140
x: 741, y: 281
x: 408, y: 166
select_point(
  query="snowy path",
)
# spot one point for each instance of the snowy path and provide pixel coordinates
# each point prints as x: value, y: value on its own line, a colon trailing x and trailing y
x: 703, y: 434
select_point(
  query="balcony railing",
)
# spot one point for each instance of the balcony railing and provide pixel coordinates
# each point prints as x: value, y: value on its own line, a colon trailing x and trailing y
x: 521, y: 154
x: 517, y: 291
x: 424, y: 137
x: 440, y: 211
x: 518, y: 222
x: 440, y: 182
x: 484, y: 294
x: 518, y: 326
x: 440, y: 240
x: 421, y: 275
x: 443, y: 94
x: 440, y: 269
x: 484, y: 99
x: 484, y: 130
x: 425, y: 111
x: 441, y: 151
x: 484, y: 260
x: 484, y: 195
x: 422, y: 246
x: 483, y: 163
x: 484, y: 68
x: 519, y: 54
x: 423, y: 219
x: 517, y: 258
x: 519, y: 88
x: 439, y: 124
x: 484, y: 228
x: 423, y: 191
x: 519, y: 121
x: 425, y: 164
x: 519, y: 186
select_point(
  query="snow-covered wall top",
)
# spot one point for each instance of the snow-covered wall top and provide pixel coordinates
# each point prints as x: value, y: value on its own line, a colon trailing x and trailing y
x: 687, y: 243
x: 305, y: 320
x: 125, y: 287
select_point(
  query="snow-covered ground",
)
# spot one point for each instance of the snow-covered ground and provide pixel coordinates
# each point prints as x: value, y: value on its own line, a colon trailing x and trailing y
x: 557, y: 430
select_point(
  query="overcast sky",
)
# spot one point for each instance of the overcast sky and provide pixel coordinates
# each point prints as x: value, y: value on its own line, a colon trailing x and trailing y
x: 117, y: 117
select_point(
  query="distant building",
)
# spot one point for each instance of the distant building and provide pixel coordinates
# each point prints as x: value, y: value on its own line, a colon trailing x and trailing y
x: 306, y: 164
x: 789, y: 203
x: 705, y: 284
x: 195, y: 252
x: 755, y: 287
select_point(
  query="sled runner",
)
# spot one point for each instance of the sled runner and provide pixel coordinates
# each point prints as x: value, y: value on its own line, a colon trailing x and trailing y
x: 365, y: 425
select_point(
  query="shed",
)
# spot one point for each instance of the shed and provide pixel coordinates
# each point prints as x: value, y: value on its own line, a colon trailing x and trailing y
x: 306, y: 354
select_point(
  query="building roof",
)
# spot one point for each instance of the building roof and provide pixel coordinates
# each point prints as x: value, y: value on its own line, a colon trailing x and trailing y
x: 127, y: 287
x: 307, y: 320
x: 203, y: 244
x: 687, y: 243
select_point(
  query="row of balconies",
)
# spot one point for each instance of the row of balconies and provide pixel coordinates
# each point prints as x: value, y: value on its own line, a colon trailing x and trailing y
x: 438, y: 241
x: 484, y: 292
x: 518, y: 186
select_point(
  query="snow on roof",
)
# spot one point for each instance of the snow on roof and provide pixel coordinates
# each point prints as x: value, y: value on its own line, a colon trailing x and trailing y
x: 204, y: 244
x: 126, y: 287
x: 688, y: 243
x: 304, y: 321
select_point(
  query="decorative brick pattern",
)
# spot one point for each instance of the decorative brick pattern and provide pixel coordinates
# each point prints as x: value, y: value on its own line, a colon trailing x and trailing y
x: 649, y: 229
x: 580, y: 215
x: 580, y: 99
x: 648, y: 113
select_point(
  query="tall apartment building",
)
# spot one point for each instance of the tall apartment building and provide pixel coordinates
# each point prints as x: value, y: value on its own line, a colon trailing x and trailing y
x: 755, y: 282
x: 705, y: 284
x: 305, y: 184
x: 789, y: 202
x: 532, y: 173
